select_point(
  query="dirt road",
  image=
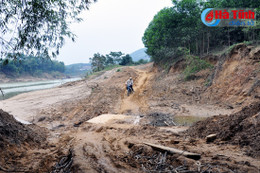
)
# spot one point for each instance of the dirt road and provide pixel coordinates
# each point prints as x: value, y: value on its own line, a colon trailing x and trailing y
x: 136, y: 103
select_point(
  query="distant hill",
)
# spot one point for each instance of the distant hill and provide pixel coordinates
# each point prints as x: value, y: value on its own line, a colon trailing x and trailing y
x: 140, y: 54
x: 78, y: 69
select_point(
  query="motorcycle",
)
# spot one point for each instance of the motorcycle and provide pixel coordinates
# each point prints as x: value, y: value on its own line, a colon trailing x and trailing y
x: 129, y: 90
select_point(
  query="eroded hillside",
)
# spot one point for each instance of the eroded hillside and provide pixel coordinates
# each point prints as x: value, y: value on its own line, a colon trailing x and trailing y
x: 93, y: 126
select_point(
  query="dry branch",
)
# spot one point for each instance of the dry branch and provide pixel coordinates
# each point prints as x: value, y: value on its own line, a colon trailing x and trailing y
x: 174, y: 151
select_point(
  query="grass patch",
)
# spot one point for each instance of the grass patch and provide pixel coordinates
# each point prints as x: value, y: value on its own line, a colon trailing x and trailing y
x: 111, y: 67
x: 194, y: 65
x: 247, y: 43
x: 227, y: 49
x: 207, y: 82
x: 99, y: 73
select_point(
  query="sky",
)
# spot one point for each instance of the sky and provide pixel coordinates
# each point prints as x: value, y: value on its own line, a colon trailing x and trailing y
x: 110, y: 25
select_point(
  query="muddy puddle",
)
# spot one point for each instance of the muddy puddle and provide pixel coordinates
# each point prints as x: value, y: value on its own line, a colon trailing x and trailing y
x: 161, y: 119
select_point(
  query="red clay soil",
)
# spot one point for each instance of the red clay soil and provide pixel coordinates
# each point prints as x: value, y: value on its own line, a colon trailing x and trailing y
x: 241, y: 128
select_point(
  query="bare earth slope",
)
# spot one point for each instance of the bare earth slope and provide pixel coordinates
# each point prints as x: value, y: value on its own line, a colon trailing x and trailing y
x: 92, y: 126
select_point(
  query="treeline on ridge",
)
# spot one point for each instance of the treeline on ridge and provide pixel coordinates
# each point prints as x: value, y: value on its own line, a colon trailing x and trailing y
x: 30, y: 65
x: 180, y: 26
x: 100, y: 62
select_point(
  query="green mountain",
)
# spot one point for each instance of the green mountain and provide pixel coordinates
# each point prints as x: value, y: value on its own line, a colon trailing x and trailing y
x: 78, y: 69
x: 140, y: 54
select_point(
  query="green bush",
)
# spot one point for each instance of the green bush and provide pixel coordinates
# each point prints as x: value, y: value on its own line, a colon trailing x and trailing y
x: 234, y: 45
x: 141, y: 61
x: 194, y: 65
x: 166, y: 54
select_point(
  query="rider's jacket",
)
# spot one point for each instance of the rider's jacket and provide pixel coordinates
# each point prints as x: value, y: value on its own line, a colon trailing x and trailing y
x: 129, y: 82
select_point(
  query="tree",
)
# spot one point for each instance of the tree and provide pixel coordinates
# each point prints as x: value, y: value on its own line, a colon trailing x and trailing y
x: 141, y: 61
x: 98, y: 62
x: 117, y: 56
x: 180, y: 26
x: 126, y: 60
x: 31, y: 65
x: 37, y: 27
x: 109, y: 60
x: 160, y: 31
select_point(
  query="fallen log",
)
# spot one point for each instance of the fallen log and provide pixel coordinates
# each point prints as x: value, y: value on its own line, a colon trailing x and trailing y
x: 187, y: 154
x: 211, y: 138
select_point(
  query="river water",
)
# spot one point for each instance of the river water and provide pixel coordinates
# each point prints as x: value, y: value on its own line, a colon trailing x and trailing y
x: 13, y: 89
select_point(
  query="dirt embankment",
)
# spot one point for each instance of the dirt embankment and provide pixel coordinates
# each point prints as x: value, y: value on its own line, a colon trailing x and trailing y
x: 232, y: 83
x: 235, y: 80
x: 15, y: 140
x: 76, y: 142
x: 16, y: 133
x: 241, y: 128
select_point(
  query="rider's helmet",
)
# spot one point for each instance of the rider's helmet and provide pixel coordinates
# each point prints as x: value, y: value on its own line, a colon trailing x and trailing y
x: 130, y: 78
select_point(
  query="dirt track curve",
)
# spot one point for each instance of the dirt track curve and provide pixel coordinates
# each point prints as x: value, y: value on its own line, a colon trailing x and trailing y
x: 136, y: 103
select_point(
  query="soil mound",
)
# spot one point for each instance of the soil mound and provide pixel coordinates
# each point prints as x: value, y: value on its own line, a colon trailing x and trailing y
x: 13, y: 132
x: 241, y: 128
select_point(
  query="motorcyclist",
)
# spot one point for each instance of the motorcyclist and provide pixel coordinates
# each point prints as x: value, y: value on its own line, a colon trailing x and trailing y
x: 129, y: 83
x: 2, y: 92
